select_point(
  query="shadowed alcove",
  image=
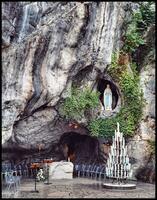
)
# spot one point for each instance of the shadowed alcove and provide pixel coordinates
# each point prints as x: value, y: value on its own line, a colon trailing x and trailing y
x: 81, y: 148
x: 102, y: 84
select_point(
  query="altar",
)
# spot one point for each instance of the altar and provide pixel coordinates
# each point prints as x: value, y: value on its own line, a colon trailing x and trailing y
x: 61, y: 170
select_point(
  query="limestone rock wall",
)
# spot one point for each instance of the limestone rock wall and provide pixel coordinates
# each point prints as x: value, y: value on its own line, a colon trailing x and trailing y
x: 139, y: 148
x: 53, y: 42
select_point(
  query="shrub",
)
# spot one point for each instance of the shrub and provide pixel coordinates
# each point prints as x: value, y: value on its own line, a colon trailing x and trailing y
x: 106, y: 127
x: 131, y: 111
x: 147, y: 15
x: 79, y: 101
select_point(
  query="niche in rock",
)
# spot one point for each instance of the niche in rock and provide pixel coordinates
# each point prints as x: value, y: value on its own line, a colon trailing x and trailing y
x: 114, y: 99
x: 80, y: 148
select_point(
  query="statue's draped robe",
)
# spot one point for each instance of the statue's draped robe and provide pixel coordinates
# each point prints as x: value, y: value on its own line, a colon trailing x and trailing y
x: 108, y: 99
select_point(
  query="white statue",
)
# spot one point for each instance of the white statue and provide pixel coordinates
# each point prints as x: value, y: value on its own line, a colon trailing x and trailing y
x: 108, y: 98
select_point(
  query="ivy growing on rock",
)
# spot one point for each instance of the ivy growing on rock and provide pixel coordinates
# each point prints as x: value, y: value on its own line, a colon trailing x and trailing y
x: 130, y: 113
x: 145, y: 16
x: 141, y: 19
x: 75, y: 106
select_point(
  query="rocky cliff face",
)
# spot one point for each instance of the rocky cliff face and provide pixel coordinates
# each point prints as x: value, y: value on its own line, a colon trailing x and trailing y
x: 52, y: 43
x: 139, y: 148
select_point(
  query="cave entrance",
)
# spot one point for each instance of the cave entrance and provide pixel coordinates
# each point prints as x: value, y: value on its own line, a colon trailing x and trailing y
x: 79, y: 148
x: 102, y: 84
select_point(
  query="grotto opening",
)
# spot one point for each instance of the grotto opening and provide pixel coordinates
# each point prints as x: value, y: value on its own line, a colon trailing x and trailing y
x: 79, y: 148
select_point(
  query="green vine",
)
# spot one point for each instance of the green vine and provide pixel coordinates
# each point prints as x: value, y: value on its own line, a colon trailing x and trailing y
x: 145, y: 16
x: 106, y: 127
x: 140, y: 21
x: 75, y: 106
x: 133, y: 38
x: 131, y: 112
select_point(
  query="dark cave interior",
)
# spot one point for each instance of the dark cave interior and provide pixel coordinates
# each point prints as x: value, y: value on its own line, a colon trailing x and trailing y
x: 80, y: 148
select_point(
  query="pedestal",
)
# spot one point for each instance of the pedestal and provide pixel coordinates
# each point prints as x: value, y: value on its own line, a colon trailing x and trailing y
x: 47, y: 183
x: 35, y: 183
x: 119, y: 186
x: 47, y: 161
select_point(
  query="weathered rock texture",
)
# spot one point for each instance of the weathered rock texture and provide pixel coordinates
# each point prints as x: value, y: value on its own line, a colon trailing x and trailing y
x: 52, y: 44
x: 47, y: 47
x: 61, y: 170
x: 139, y: 148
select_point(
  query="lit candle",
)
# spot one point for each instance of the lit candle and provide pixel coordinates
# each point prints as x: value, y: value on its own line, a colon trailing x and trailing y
x: 121, y: 136
x: 124, y: 168
x: 107, y: 171
x: 130, y: 174
x: 124, y: 172
x: 118, y: 171
x: 127, y: 159
x: 129, y: 167
x: 123, y: 159
x: 114, y: 144
x: 123, y: 142
x: 115, y: 136
x: 121, y: 171
x: 115, y: 152
x: 115, y: 171
x: 111, y: 150
x: 119, y: 143
x: 118, y: 134
x: 111, y: 172
x: 109, y: 157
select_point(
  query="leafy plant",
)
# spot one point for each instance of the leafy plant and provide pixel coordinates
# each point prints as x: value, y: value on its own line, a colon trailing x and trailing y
x: 134, y: 34
x: 147, y: 15
x: 79, y: 101
x: 41, y: 175
x: 140, y: 21
x: 106, y: 127
x: 115, y: 69
x: 131, y: 112
x: 132, y: 41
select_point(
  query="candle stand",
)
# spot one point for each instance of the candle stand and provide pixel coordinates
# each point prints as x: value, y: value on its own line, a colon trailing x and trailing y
x: 118, y: 168
x: 47, y: 161
x: 35, y: 166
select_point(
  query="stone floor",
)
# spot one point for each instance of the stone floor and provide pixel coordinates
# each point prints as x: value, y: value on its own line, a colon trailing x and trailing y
x: 79, y: 188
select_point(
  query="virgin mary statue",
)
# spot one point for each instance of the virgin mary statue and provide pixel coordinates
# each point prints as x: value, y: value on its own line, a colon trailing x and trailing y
x: 108, y: 98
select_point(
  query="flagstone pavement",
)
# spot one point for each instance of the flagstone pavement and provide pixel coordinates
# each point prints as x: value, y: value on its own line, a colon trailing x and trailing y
x: 79, y: 188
